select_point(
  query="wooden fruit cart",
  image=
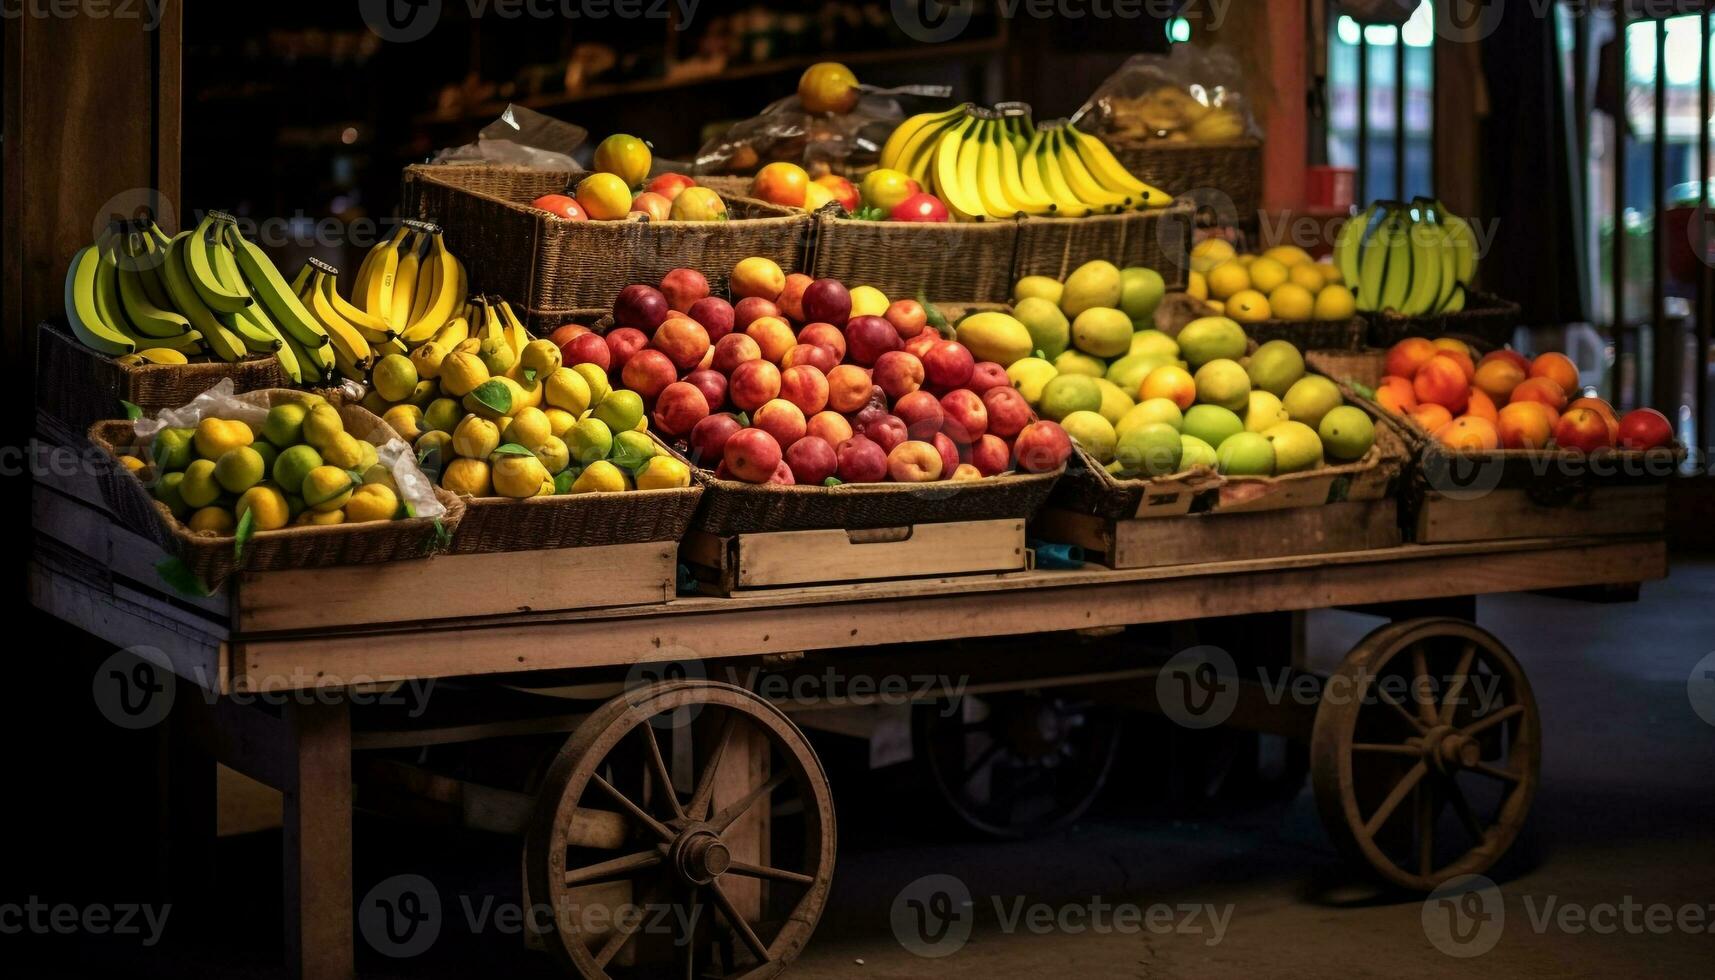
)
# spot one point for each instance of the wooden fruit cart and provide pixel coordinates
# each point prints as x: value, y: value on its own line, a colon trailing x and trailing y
x: 677, y: 788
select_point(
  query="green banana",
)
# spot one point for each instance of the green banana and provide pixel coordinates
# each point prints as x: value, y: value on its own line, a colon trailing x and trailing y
x: 1397, y: 283
x: 1464, y: 245
x: 1349, y: 243
x: 1425, y: 238
x: 222, y: 342
x: 200, y: 265
x: 150, y: 319
x: 274, y: 292
x: 1372, y: 265
x: 81, y: 311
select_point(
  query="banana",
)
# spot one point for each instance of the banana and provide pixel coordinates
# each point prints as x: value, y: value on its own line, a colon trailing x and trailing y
x: 374, y: 329
x: 1348, y: 244
x: 350, y: 369
x: 445, y: 298
x: 187, y: 343
x: 911, y: 129
x: 222, y: 343
x: 155, y: 355
x: 405, y: 285
x: 1397, y: 283
x: 1464, y: 245
x: 1048, y: 167
x: 1372, y: 265
x: 347, y: 340
x: 147, y: 264
x: 428, y: 287
x: 301, y: 281
x: 200, y: 266
x: 149, y: 319
x: 1012, y: 179
x: 1449, y: 271
x: 1078, y: 177
x: 1425, y: 240
x: 1457, y: 303
x: 371, y: 260
x: 915, y: 155
x: 86, y: 322
x: 1108, y: 171
x: 376, y: 295
x: 274, y: 293
x: 456, y: 332
x: 950, y: 185
x: 107, y: 301
x: 294, y: 357
x: 516, y: 335
x: 988, y: 182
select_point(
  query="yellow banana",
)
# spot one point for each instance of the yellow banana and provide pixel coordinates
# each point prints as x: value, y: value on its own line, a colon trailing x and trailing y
x: 1107, y: 169
x: 375, y: 295
x: 910, y: 131
x: 346, y: 338
x: 445, y: 298
x: 1040, y: 166
x: 404, y: 285
x: 1079, y: 180
x: 960, y: 197
x: 1012, y: 180
x: 988, y: 180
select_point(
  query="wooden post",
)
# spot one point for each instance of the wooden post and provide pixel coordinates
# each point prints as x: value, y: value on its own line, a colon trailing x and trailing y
x: 317, y: 838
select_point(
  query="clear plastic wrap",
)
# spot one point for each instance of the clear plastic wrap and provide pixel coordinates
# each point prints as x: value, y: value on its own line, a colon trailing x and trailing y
x: 822, y: 143
x: 1189, y: 95
x: 521, y: 138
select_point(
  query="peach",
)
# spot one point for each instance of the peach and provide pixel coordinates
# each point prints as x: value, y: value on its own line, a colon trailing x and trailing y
x: 1468, y: 432
x: 683, y: 288
x: 774, y: 335
x: 898, y: 373
x: 844, y: 191
x: 806, y: 387
x: 709, y: 437
x: 1583, y: 429
x: 914, y: 462
x: 566, y: 333
x: 641, y: 307
x: 949, y: 453
x: 1042, y: 447
x: 966, y: 473
x: 921, y: 412
x: 1430, y: 416
x: 827, y: 301
x: 829, y: 426
x: 1557, y: 368
x: 921, y: 343
x: 679, y: 409
x: 825, y: 335
x: 746, y: 311
x: 622, y: 343
x: 887, y: 431
x: 586, y: 348
x: 991, y: 455
x: 668, y: 185
x: 869, y: 337
x: 1509, y: 355
x: 948, y: 365
x: 1453, y: 344
x: 849, y: 387
x: 1497, y: 378
x: 1441, y: 380
x: 657, y: 206
x: 967, y: 416
x: 986, y: 375
x: 1008, y: 412
x: 1396, y: 395
x: 1461, y: 358
x: 1480, y: 405
x: 735, y: 349
x: 812, y: 355
x: 1405, y: 357
x: 812, y: 460
x: 783, y: 475
x: 1524, y: 425
x: 861, y: 460
x: 780, y: 183
x: 753, y: 384
x: 715, y: 314
x: 791, y: 298
x: 751, y: 455
x: 1602, y: 408
x: 683, y: 340
x: 782, y: 420
x: 907, y: 316
x: 757, y: 276
x: 648, y: 373
x: 1544, y: 390
x: 712, y: 384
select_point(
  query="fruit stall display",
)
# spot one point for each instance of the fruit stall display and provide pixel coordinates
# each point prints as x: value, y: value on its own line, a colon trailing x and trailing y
x: 1279, y: 294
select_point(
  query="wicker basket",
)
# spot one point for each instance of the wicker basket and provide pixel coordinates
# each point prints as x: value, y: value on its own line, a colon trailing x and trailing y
x: 80, y: 386
x: 1310, y: 335
x: 1486, y: 323
x: 549, y: 267
x: 1233, y: 169
x: 212, y: 557
x: 1158, y: 239
x: 969, y: 261
x: 732, y: 507
x: 577, y: 520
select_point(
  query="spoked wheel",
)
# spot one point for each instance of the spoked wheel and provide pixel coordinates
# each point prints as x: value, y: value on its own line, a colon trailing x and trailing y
x: 1019, y: 764
x: 684, y: 830
x: 1426, y: 751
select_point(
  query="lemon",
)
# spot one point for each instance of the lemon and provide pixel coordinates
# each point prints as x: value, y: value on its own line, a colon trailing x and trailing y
x: 1248, y: 306
x: 213, y: 520
x: 1227, y: 279
x: 468, y: 476
x: 589, y: 440
x: 320, y: 426
x: 530, y: 429
x: 199, y: 488
x: 379, y: 474
x: 238, y: 470
x: 554, y: 455
x: 215, y: 437
x: 1209, y: 253
x: 132, y: 463
x: 518, y: 476
x: 476, y: 437
x: 394, y: 377
x: 442, y: 415
x: 461, y: 372
x: 601, y: 476
x: 1330, y: 273
x: 559, y: 420
x: 267, y: 505
x: 1288, y: 255
x: 440, y: 444
x: 407, y: 420
x: 620, y: 410
x: 663, y: 473
x: 345, y: 452
x: 285, y: 424
x: 371, y: 502
x: 374, y: 404
x: 1308, y: 276
x: 327, y: 488
x: 317, y: 518
x: 868, y: 301
x: 526, y: 394
x: 1267, y: 275
x: 1197, y: 286
x: 567, y: 390
x: 540, y: 357
x: 428, y: 358
x: 596, y: 378
x: 1290, y: 301
x: 1335, y: 302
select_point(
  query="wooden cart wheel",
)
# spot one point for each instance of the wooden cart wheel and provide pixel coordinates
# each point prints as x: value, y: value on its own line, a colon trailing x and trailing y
x: 720, y: 872
x: 1015, y: 765
x: 1426, y: 751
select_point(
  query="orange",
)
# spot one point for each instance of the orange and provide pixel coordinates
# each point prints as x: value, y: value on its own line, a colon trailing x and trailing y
x: 828, y: 87
x: 1405, y: 357
x: 1395, y: 395
x: 1497, y: 378
x: 604, y: 197
x: 1557, y: 368
x: 626, y: 157
x: 1442, y: 380
x: 1469, y: 432
x: 1525, y: 425
x: 1430, y: 416
x: 1481, y: 405
x: 781, y: 183
x: 1544, y: 390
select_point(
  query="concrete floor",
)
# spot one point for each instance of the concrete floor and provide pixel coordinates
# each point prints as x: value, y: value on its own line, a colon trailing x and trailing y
x: 1623, y: 817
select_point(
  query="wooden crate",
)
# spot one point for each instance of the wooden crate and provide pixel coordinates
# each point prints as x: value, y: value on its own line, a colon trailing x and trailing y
x: 1510, y: 513
x: 1227, y: 535
x: 725, y: 564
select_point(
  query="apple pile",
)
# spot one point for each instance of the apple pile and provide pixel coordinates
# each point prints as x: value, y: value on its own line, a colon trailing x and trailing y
x: 1506, y: 400
x: 802, y: 381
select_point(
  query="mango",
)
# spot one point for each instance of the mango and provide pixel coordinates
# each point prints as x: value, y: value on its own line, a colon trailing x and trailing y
x: 1222, y: 382
x: 1102, y: 331
x: 1129, y: 371
x: 997, y: 337
x: 199, y: 488
x: 321, y: 425
x: 476, y: 437
x: 371, y: 502
x: 1093, y: 432
x: 1050, y: 331
x: 285, y: 424
x: 239, y: 469
x: 1030, y: 376
x: 1153, y: 341
x: 1212, y: 338
x: 171, y: 449
x: 468, y: 476
x: 1310, y: 398
x: 1091, y: 285
x: 1297, y: 447
x: 1152, y: 450
x: 267, y: 505
x: 1078, y: 362
x: 1037, y: 287
x: 327, y: 488
x: 663, y: 473
x: 1071, y: 393
x: 1141, y: 291
x: 1275, y: 367
x: 214, y: 437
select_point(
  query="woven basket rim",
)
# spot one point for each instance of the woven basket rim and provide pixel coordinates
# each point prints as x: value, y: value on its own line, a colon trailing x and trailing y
x: 1485, y: 304
x: 888, y: 488
x: 1181, y: 146
x: 57, y: 328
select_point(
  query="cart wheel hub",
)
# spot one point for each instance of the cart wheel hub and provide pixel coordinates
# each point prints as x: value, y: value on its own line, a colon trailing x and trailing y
x: 1445, y: 748
x: 701, y: 856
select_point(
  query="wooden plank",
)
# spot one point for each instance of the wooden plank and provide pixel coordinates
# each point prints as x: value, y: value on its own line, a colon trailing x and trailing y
x: 458, y: 586
x: 1323, y: 529
x: 1509, y: 513
x: 856, y: 616
x: 745, y: 767
x: 127, y: 618
x: 792, y: 558
x: 317, y: 841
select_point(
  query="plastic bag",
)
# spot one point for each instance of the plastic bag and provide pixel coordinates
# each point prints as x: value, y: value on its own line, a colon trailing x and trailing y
x: 252, y: 409
x: 822, y: 143
x: 521, y: 138
x: 1188, y: 95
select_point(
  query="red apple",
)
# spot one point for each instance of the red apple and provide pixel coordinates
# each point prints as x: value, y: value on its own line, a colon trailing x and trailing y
x: 648, y: 373
x: 1583, y: 429
x: 861, y: 460
x: 1645, y: 428
x: 713, y: 386
x: 668, y: 185
x: 715, y: 314
x: 782, y: 420
x: 913, y: 461
x: 732, y: 350
x: 869, y: 337
x: 751, y: 455
x: 986, y: 375
x: 812, y: 460
x: 885, y: 431
x: 791, y: 301
x: 991, y: 455
x: 586, y: 348
x: 898, y: 373
x: 921, y: 413
x: 949, y: 454
x: 640, y: 306
x: 827, y: 301
x: 683, y: 288
x: 830, y: 427
x: 948, y: 365
x: 683, y: 340
x: 805, y: 386
x: 908, y: 317
x: 566, y: 333
x: 709, y: 437
x: 753, y: 384
x: 1044, y: 446
x: 747, y: 310
x: 967, y: 415
x: 1008, y: 412
x: 679, y: 409
x: 622, y: 343
x: 811, y: 355
x: 826, y: 335
x: 919, y: 207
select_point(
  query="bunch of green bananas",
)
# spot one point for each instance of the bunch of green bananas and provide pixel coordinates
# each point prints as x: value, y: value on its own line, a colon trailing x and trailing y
x: 995, y: 164
x: 1414, y: 259
x: 141, y: 295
